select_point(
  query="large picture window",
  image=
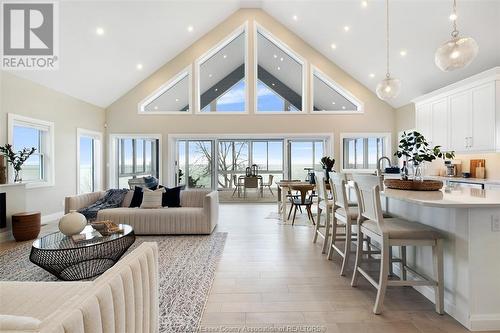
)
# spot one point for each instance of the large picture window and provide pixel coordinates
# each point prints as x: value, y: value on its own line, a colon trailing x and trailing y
x: 137, y: 157
x: 24, y: 132
x: 362, y: 151
x: 280, y: 76
x: 222, y: 82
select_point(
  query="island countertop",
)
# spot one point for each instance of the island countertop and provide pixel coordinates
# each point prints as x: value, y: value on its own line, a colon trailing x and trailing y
x: 448, y: 197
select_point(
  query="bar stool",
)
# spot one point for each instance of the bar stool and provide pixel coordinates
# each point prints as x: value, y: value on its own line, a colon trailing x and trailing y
x: 393, y: 232
x: 324, y: 204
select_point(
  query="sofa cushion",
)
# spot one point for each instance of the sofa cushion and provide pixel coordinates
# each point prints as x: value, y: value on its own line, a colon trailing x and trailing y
x: 136, y: 197
x: 171, y: 197
x: 18, y: 323
x: 152, y: 199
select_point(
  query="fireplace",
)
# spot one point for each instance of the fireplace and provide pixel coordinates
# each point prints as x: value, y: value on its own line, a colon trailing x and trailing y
x: 3, y: 210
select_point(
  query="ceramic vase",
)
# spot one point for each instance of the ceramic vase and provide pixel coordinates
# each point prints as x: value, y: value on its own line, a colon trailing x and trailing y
x: 72, y: 223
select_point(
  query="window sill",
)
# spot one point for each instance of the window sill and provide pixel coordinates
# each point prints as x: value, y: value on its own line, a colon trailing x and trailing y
x: 39, y: 184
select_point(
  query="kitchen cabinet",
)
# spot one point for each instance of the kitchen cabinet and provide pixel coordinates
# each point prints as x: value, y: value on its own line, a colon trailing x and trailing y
x: 464, y: 117
x: 492, y: 187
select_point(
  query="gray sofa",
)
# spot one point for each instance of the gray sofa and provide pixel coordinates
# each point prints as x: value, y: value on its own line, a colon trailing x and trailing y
x: 198, y: 214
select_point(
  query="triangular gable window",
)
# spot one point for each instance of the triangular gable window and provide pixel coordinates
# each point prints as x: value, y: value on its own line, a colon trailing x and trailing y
x: 173, y: 97
x: 328, y: 96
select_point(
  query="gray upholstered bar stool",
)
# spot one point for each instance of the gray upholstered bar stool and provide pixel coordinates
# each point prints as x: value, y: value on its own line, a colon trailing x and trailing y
x: 324, y: 204
x: 393, y: 232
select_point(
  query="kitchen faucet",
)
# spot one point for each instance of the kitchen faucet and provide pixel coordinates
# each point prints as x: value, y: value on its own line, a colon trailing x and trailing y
x: 379, y: 171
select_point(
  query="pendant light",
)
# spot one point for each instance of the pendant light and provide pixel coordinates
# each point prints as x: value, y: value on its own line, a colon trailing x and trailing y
x: 389, y: 87
x: 458, y: 52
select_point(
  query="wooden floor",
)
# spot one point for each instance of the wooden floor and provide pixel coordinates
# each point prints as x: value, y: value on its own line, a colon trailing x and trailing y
x: 271, y: 275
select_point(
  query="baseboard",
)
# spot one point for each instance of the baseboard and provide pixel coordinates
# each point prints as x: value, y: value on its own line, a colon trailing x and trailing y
x: 485, y: 322
x: 52, y: 217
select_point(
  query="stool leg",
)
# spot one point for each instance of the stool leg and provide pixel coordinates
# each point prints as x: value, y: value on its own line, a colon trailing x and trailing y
x: 327, y: 229
x: 437, y: 256
x: 391, y: 270
x: 402, y: 264
x: 334, y: 237
x: 384, y: 274
x: 347, y: 248
x: 316, y: 230
x: 359, y: 253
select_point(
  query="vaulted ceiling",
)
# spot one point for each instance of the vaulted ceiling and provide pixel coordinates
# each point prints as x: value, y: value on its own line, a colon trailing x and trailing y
x: 101, y: 68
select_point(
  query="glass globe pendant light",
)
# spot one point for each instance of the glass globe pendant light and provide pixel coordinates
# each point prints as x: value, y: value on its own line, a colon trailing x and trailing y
x: 389, y: 87
x: 458, y: 52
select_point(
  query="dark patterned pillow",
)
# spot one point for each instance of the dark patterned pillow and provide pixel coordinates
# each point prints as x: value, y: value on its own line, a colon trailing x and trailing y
x: 171, y: 196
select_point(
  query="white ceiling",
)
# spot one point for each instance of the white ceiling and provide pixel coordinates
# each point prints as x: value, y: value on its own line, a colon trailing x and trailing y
x: 100, y: 69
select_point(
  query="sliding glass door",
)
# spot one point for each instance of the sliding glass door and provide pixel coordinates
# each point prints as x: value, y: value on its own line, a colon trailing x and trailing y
x: 194, y: 163
x: 304, y: 155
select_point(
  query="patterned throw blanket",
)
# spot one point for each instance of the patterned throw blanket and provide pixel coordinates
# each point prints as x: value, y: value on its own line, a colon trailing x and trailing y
x: 112, y: 199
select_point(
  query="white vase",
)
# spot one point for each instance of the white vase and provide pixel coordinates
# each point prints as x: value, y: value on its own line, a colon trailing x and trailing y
x: 72, y: 223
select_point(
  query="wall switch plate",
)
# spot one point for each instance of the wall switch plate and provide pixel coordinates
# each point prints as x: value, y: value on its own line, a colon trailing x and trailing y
x: 495, y: 223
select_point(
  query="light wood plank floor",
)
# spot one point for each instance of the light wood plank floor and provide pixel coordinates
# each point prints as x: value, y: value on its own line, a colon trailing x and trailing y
x: 271, y: 275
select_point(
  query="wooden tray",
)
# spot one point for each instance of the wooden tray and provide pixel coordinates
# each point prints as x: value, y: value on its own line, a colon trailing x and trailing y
x: 410, y: 185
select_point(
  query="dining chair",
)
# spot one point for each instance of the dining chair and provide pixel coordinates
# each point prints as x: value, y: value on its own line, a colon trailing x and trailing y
x: 237, y: 185
x: 302, y: 199
x: 268, y: 184
x: 394, y: 232
x: 325, y: 203
x: 250, y: 182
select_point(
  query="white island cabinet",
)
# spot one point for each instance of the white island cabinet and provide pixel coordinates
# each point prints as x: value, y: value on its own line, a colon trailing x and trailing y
x: 470, y: 219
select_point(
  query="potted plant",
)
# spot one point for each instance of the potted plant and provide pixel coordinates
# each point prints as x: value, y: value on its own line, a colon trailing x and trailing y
x: 16, y: 159
x: 327, y: 163
x: 414, y: 148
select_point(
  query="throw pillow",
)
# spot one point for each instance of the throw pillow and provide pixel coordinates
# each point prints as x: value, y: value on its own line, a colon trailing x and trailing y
x: 171, y: 197
x: 151, y: 182
x: 136, y: 198
x: 152, y: 199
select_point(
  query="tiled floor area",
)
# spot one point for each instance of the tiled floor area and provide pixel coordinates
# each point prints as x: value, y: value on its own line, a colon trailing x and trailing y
x: 271, y: 275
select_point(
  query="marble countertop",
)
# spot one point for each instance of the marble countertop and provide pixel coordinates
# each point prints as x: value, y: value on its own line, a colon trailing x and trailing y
x: 448, y: 198
x: 467, y: 180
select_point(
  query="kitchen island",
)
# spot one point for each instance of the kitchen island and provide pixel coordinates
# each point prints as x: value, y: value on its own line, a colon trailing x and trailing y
x: 470, y: 220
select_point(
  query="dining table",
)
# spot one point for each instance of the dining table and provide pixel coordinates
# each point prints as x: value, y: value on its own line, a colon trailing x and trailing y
x: 284, y: 186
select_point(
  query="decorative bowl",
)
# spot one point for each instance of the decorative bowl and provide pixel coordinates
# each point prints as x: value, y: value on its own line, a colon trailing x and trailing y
x: 412, y: 185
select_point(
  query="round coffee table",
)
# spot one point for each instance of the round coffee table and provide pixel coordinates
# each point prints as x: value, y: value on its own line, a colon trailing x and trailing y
x: 70, y: 261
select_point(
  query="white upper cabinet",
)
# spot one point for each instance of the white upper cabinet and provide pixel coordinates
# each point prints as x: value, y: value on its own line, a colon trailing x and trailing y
x: 465, y: 116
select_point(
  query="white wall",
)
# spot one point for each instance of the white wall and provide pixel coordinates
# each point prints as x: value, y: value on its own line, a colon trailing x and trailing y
x: 29, y: 99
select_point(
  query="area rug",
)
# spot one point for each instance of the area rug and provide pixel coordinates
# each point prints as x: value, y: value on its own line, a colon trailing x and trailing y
x: 186, y: 265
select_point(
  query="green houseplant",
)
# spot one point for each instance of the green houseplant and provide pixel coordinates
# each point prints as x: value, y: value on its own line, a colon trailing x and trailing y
x: 414, y: 148
x: 327, y: 164
x: 16, y: 159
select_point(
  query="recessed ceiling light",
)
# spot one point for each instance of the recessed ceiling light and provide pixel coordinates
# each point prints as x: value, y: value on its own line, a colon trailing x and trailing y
x: 372, y: 75
x: 364, y: 4
x: 275, y: 56
x: 281, y: 59
x: 403, y: 53
x: 272, y: 84
x: 209, y: 75
x: 99, y: 31
x: 224, y: 56
x: 295, y: 17
x: 156, y: 107
x: 279, y: 68
x: 190, y: 28
x: 347, y: 28
x: 333, y: 103
x: 216, y: 89
x: 176, y: 99
x: 343, y: 107
x: 139, y: 66
x: 333, y: 46
x: 453, y: 16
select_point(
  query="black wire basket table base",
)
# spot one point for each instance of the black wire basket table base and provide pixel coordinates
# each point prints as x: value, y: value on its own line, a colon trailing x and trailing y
x: 71, y: 261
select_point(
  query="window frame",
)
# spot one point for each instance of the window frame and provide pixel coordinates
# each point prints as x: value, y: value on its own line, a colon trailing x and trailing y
x: 207, y: 55
x: 48, y: 143
x: 258, y: 28
x: 141, y: 106
x: 387, y: 146
x: 113, y: 153
x: 338, y: 88
x: 97, y: 158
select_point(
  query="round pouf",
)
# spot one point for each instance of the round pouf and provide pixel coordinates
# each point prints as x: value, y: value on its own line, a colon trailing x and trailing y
x: 26, y: 226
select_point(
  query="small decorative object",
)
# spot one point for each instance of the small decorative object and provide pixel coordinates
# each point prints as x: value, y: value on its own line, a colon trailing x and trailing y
x: 248, y: 172
x: 327, y: 164
x: 414, y: 147
x: 389, y: 87
x: 457, y: 52
x: 107, y: 228
x: 72, y: 223
x: 409, y: 185
x: 16, y: 159
x: 3, y: 170
x: 255, y: 170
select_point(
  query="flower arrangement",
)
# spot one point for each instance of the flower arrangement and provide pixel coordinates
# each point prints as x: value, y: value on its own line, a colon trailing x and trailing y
x: 327, y: 163
x: 16, y: 159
